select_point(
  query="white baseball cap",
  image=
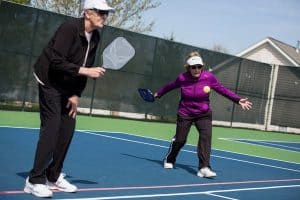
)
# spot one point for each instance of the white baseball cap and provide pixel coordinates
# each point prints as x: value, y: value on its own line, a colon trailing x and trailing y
x: 97, y: 4
x: 194, y: 60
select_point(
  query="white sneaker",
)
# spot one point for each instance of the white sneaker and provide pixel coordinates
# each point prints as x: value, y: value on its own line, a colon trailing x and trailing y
x: 39, y: 190
x: 61, y: 184
x: 206, y: 172
x: 168, y: 165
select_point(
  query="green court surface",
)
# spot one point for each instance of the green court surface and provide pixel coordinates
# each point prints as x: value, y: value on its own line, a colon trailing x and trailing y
x: 166, y: 131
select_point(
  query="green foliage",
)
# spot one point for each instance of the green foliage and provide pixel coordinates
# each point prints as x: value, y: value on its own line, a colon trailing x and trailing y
x: 66, y: 7
x: 128, y: 13
x: 220, y: 48
x: 24, y: 2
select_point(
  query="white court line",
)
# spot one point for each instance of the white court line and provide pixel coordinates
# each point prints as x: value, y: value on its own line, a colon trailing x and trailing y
x: 253, y: 188
x: 153, y: 187
x: 258, y: 140
x: 272, y: 145
x: 223, y: 157
x: 19, y: 127
x: 279, y: 145
x: 220, y: 196
x: 189, y: 145
x: 161, y: 140
x: 183, y: 193
x: 245, y: 154
x: 176, y: 194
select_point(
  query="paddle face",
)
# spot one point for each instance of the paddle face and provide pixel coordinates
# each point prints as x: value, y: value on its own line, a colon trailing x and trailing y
x: 117, y: 54
x: 146, y: 94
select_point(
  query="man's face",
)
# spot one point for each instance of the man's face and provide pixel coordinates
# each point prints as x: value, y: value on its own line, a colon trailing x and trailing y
x: 97, y: 17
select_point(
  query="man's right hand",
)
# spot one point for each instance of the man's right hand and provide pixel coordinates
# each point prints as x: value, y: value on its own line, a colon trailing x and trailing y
x: 93, y: 72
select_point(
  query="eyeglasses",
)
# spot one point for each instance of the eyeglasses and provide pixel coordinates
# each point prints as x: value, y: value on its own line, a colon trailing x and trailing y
x: 101, y: 12
x: 196, y: 66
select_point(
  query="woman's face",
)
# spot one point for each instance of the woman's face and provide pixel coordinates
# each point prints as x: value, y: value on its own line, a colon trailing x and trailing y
x: 97, y: 18
x: 195, y: 70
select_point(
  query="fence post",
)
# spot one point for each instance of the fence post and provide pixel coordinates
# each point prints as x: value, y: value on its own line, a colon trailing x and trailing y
x: 235, y: 90
x: 271, y: 94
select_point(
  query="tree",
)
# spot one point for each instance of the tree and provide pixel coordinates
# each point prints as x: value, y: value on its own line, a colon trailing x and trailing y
x: 24, y: 2
x: 170, y: 37
x: 220, y: 48
x: 128, y: 13
x: 66, y: 7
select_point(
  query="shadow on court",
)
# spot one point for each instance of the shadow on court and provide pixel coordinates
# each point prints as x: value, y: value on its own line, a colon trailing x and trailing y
x: 188, y: 168
x: 121, y: 166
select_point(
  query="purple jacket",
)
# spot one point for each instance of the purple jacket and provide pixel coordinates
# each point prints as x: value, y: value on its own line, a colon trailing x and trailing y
x: 194, y: 101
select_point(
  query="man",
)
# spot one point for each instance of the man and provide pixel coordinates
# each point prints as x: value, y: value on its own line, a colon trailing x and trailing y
x: 62, y: 71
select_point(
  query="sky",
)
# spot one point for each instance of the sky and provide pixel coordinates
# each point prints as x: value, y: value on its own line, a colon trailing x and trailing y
x: 233, y: 24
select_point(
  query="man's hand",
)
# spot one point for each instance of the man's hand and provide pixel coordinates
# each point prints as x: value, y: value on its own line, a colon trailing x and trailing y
x: 93, y: 72
x: 72, y: 105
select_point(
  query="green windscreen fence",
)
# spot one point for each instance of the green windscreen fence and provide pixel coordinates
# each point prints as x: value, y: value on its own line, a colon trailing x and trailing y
x: 24, y: 31
x: 286, y: 108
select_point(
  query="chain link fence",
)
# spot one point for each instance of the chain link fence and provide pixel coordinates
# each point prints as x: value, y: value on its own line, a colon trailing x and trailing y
x: 274, y: 90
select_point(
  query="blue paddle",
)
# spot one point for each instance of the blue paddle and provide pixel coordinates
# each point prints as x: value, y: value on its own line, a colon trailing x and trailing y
x: 146, y: 94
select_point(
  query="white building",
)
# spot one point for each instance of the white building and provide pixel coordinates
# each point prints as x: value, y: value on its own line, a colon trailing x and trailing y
x: 272, y: 51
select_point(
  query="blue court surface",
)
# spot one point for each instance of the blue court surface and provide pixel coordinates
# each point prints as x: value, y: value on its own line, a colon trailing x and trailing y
x: 107, y: 165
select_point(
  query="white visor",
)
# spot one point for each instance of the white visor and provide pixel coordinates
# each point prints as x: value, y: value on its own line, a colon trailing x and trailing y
x: 97, y: 4
x: 195, y: 60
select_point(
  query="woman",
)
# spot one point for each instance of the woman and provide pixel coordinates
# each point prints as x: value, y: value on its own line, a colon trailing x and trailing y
x: 61, y: 71
x: 194, y: 107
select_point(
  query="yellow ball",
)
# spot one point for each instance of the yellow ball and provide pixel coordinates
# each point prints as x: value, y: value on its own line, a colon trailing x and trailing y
x: 206, y: 89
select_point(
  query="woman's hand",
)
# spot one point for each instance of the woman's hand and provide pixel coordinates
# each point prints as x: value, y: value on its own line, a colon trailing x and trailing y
x: 245, y: 104
x: 72, y: 105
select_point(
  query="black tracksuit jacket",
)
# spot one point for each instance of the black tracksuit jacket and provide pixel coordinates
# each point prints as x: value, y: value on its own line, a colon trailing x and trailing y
x: 59, y: 63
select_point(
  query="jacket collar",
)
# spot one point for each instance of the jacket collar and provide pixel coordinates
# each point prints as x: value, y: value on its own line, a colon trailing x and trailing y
x: 95, y: 36
x: 81, y: 27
